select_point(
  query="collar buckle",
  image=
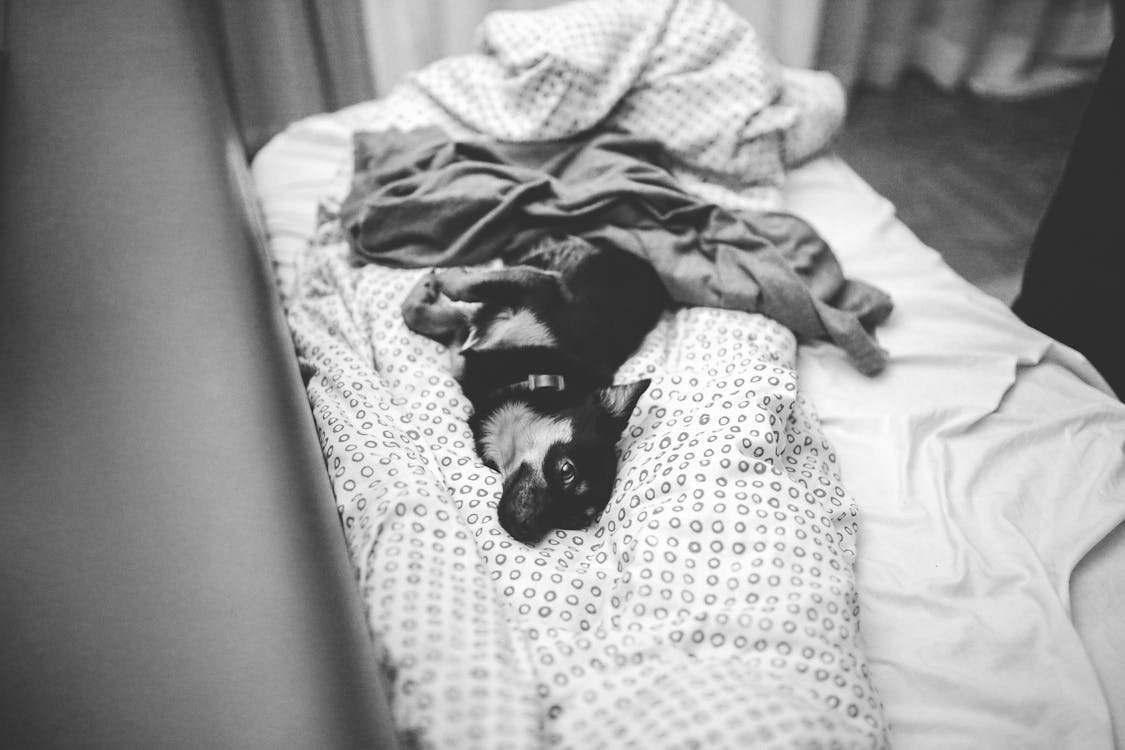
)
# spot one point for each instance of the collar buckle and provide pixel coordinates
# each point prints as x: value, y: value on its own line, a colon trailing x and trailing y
x: 536, y: 382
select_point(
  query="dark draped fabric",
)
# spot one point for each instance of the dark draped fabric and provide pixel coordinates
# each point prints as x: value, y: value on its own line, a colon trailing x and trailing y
x: 419, y: 199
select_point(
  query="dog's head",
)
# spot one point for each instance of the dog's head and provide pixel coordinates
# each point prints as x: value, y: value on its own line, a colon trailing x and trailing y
x: 557, y: 456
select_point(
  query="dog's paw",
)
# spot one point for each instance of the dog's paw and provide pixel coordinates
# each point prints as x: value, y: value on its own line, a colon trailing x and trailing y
x: 426, y: 310
x: 454, y: 282
x: 425, y: 291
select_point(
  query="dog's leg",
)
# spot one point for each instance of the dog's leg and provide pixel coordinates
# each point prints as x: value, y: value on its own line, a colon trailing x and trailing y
x: 504, y: 285
x: 428, y: 312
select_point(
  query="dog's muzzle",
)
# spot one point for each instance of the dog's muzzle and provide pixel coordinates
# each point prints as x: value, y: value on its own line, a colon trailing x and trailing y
x: 524, y: 505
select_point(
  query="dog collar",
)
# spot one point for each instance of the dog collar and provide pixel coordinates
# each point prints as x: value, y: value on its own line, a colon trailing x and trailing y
x: 534, y: 382
x: 537, y: 382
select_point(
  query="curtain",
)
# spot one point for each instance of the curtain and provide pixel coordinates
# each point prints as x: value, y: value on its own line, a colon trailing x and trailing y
x: 286, y: 60
x: 404, y: 35
x: 996, y: 48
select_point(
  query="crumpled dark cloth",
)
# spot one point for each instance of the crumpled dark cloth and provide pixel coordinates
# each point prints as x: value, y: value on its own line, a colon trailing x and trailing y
x: 419, y: 198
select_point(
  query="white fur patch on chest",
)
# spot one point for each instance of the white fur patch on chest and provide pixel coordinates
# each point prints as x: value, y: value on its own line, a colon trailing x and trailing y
x: 516, y: 434
x: 511, y: 329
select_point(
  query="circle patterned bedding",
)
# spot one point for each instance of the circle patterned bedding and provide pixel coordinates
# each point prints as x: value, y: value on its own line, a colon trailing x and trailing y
x: 712, y: 602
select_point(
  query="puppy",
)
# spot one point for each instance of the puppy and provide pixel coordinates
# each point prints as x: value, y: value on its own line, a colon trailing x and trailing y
x: 539, y: 341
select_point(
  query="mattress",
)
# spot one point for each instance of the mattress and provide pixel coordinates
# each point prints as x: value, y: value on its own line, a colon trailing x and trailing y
x: 985, y: 463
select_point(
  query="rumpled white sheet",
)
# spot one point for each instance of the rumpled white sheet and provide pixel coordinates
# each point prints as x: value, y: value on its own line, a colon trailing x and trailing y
x: 987, y: 461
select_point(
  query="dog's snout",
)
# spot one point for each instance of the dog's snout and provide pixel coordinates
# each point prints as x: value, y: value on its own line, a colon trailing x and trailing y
x: 520, y: 529
x: 523, y: 505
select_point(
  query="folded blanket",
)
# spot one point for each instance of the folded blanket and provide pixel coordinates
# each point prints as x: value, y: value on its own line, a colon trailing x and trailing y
x: 420, y: 199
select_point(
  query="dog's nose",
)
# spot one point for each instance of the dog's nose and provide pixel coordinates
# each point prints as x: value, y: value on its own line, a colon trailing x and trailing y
x: 521, y: 531
x: 523, y: 505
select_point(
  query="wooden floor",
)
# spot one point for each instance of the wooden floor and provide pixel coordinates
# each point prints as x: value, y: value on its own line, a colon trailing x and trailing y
x: 970, y: 177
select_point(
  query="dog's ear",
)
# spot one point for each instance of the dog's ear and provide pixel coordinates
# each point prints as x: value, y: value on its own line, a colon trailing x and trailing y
x: 620, y: 400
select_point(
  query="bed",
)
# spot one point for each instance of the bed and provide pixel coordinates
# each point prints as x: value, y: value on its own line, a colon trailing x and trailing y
x: 971, y: 477
x: 174, y: 572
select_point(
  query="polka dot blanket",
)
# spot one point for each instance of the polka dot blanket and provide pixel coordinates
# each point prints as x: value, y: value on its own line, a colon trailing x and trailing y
x: 713, y: 603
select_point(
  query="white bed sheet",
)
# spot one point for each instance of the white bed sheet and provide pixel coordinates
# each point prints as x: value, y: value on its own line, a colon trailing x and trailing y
x: 987, y: 460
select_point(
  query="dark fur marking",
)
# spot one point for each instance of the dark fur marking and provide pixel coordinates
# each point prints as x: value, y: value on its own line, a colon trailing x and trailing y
x: 581, y: 311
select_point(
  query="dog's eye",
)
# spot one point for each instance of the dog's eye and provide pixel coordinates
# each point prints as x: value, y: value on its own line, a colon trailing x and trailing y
x: 567, y: 472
